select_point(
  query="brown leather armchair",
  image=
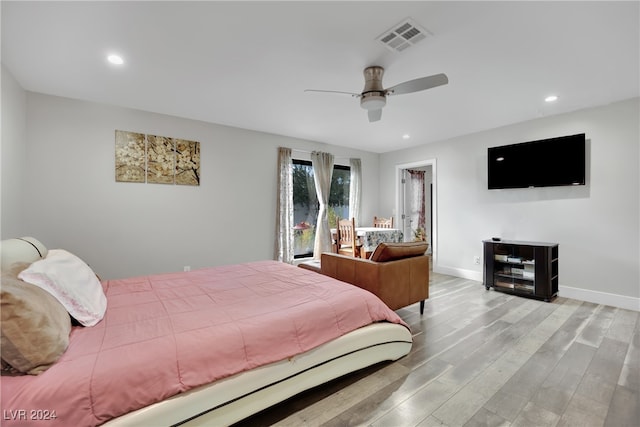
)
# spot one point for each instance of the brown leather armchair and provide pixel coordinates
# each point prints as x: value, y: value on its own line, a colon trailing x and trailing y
x: 398, y: 273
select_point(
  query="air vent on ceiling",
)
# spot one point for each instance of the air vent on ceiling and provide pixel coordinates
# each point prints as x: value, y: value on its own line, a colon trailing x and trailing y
x: 403, y: 35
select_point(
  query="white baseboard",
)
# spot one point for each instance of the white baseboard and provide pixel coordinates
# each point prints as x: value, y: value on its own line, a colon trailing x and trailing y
x: 459, y: 272
x: 614, y: 300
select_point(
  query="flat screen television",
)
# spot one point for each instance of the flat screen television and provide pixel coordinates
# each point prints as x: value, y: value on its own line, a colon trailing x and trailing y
x: 543, y: 163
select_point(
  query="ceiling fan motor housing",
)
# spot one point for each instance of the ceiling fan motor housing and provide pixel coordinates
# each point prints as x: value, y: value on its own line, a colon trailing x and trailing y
x: 373, y: 95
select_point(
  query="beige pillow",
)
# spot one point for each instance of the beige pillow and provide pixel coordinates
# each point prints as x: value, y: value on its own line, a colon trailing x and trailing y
x: 35, y: 326
x: 392, y: 251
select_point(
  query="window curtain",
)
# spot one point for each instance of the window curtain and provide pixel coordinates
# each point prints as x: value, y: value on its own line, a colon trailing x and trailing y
x: 417, y: 206
x: 284, y: 207
x: 322, y: 164
x: 355, y: 189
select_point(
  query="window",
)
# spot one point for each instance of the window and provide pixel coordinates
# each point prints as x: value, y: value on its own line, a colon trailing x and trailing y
x: 306, y: 205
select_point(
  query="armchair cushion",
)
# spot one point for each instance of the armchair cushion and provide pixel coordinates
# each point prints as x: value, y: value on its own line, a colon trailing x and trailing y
x: 392, y: 251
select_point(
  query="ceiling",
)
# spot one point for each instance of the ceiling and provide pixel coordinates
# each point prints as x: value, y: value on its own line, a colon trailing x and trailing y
x: 247, y: 64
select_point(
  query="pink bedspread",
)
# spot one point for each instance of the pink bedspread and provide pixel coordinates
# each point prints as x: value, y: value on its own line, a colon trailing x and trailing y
x: 167, y: 333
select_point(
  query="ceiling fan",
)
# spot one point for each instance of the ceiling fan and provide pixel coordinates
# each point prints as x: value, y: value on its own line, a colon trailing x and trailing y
x: 374, y: 96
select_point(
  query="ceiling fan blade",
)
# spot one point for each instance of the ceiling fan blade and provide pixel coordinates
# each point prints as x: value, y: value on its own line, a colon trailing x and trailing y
x: 417, y: 85
x: 332, y: 91
x: 375, y: 115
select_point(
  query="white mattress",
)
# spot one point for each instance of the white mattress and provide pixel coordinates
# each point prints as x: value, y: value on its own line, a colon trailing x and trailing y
x: 235, y: 398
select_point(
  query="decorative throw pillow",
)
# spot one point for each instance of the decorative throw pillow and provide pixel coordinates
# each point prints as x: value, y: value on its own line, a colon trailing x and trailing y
x: 70, y: 281
x: 392, y: 251
x: 34, y: 326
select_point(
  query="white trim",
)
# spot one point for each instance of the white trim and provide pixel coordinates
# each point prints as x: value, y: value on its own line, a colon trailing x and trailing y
x: 596, y: 297
x: 298, y: 261
x: 459, y: 272
x: 434, y: 201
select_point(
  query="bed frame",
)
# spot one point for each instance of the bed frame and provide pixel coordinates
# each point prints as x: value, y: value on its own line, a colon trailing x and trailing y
x: 240, y: 396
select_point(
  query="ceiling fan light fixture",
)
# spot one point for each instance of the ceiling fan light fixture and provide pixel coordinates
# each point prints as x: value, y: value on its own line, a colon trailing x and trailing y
x: 373, y: 101
x: 374, y: 96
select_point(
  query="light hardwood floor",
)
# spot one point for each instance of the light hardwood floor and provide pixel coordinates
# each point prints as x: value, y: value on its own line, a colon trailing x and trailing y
x: 484, y: 358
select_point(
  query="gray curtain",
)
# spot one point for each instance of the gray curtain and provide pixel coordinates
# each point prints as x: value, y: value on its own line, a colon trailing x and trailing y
x: 284, y: 207
x: 322, y: 164
x: 355, y: 189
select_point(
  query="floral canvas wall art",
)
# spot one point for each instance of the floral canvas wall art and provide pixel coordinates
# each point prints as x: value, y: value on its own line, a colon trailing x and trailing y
x: 161, y: 160
x: 156, y: 159
x: 130, y: 156
x: 187, y: 162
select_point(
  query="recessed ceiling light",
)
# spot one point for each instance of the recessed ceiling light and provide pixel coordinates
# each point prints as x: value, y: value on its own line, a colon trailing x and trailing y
x: 115, y: 59
x: 551, y: 98
x: 406, y: 136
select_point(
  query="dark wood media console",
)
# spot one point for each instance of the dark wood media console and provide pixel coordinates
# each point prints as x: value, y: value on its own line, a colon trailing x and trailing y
x: 528, y: 269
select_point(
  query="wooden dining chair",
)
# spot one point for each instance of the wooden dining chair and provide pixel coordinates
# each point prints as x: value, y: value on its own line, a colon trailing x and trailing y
x: 348, y: 241
x: 382, y: 222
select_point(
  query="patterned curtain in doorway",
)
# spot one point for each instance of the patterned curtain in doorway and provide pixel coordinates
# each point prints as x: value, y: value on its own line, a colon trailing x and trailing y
x: 417, y: 204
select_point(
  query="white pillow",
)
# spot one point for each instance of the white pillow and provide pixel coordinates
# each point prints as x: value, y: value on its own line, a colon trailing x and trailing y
x: 70, y: 281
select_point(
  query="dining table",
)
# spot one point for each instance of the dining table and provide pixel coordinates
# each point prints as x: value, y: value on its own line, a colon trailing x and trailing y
x: 371, y: 237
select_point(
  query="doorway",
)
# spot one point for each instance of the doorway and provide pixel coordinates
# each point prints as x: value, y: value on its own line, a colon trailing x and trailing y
x: 416, y: 199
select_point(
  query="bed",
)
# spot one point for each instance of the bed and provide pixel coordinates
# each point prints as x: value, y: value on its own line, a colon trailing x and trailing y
x: 207, y: 347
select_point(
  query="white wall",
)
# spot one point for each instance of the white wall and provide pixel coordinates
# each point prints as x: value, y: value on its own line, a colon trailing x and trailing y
x: 13, y: 155
x: 597, y: 225
x: 125, y: 229
x: 58, y: 185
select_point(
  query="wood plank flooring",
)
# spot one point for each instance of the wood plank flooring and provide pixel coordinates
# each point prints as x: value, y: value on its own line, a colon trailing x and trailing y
x: 483, y: 358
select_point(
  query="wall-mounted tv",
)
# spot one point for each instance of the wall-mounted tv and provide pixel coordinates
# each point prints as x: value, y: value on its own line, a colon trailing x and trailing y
x: 543, y: 163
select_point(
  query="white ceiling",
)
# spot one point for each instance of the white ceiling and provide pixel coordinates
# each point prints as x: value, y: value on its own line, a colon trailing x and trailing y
x: 246, y: 64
